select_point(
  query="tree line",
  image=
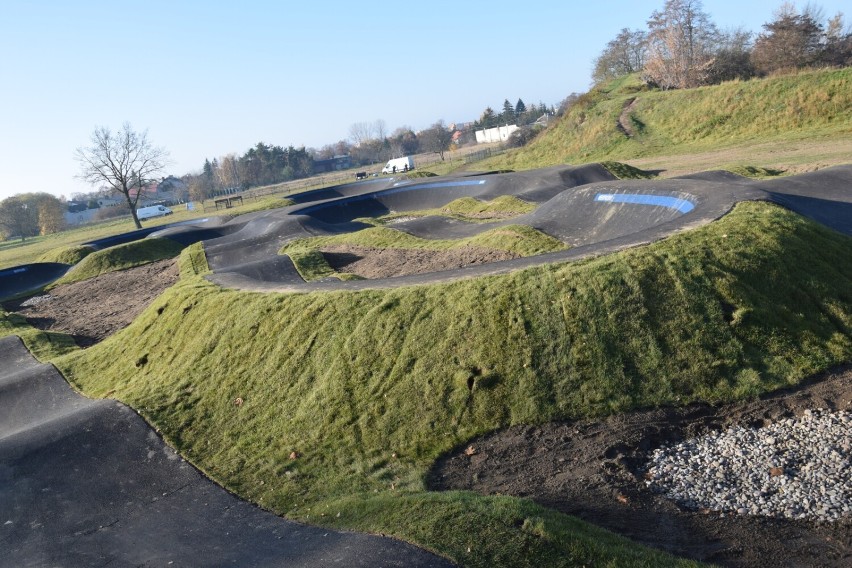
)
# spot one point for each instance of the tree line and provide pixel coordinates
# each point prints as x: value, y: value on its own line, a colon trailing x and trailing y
x: 682, y: 47
x: 518, y: 114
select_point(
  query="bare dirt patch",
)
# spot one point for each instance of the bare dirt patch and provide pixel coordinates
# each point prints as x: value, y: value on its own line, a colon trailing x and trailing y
x: 593, y: 469
x: 93, y: 309
x: 370, y: 262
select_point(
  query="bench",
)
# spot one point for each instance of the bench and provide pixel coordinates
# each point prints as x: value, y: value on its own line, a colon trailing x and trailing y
x: 228, y: 202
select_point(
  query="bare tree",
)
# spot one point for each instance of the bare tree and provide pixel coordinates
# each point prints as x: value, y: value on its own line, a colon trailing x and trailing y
x: 436, y: 138
x: 360, y: 132
x: 124, y: 162
x: 681, y: 42
x: 623, y: 55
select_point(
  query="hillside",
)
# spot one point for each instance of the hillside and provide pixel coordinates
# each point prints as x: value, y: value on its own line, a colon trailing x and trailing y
x: 795, y: 122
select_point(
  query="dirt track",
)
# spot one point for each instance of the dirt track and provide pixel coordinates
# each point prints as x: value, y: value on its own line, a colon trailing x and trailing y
x: 93, y: 309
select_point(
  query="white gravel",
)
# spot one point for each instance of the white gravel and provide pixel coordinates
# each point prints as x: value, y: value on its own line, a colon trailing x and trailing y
x: 796, y: 468
x: 36, y: 300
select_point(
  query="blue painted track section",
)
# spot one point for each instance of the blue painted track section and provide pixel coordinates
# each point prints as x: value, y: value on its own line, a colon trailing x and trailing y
x: 676, y: 203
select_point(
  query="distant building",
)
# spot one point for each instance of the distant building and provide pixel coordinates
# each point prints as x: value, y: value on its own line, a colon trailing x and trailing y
x: 496, y: 134
x: 332, y: 164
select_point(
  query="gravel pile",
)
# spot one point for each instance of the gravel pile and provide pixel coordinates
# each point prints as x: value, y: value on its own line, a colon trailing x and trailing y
x: 36, y: 300
x: 796, y: 468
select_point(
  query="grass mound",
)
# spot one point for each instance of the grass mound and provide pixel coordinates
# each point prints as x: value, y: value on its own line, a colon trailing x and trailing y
x: 370, y: 387
x: 801, y: 107
x: 67, y: 255
x: 465, y: 209
x: 120, y: 257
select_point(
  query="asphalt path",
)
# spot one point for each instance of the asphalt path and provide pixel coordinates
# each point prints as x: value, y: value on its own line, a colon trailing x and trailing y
x: 585, y: 207
x: 88, y: 483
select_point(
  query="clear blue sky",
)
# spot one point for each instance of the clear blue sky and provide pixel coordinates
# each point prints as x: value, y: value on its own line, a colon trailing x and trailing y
x: 210, y: 78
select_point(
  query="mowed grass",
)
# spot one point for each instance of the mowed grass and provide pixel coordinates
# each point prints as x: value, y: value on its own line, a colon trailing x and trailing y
x: 49, y: 247
x: 521, y: 240
x: 797, y: 110
x: 370, y: 387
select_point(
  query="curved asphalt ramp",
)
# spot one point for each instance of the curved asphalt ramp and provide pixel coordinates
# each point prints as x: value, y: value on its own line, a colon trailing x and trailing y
x: 585, y: 207
x: 20, y: 280
x: 88, y: 483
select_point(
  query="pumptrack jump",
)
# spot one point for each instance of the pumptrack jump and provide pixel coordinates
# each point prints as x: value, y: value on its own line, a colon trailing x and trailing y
x: 88, y: 482
x: 586, y: 207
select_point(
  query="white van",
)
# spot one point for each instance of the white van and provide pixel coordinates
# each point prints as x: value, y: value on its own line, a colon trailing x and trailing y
x: 153, y: 211
x: 398, y: 165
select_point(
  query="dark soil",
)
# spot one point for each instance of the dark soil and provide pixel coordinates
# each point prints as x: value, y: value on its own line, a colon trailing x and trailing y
x: 370, y: 262
x: 593, y: 470
x: 93, y: 309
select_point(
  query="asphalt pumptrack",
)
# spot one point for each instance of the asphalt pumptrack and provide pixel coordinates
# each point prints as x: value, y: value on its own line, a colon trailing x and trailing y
x: 89, y: 483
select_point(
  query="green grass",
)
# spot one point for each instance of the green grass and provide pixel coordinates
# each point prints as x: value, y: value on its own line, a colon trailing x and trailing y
x: 67, y: 255
x: 51, y: 246
x: 371, y: 387
x: 121, y: 257
x: 807, y: 106
x: 465, y: 209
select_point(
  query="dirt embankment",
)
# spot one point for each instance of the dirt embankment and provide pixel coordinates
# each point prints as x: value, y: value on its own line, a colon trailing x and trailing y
x: 93, y: 309
x: 370, y: 262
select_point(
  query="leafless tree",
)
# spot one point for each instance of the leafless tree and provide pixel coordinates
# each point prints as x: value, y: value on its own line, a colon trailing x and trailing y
x: 681, y: 42
x: 124, y: 161
x: 623, y: 55
x: 436, y: 138
x: 360, y: 132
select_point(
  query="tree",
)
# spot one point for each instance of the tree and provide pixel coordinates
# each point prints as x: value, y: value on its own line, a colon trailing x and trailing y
x: 488, y: 118
x: 30, y: 214
x: 623, y: 55
x: 508, y: 114
x: 838, y: 42
x: 436, y: 138
x: 124, y: 162
x: 790, y: 41
x: 520, y: 107
x: 733, y: 57
x: 681, y: 44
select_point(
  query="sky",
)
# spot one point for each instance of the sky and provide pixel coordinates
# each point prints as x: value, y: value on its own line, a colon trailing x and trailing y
x: 211, y: 78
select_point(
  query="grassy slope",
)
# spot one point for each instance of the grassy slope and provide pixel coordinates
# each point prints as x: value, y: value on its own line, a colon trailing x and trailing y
x: 121, y: 257
x: 795, y: 108
x: 370, y: 387
x: 48, y: 247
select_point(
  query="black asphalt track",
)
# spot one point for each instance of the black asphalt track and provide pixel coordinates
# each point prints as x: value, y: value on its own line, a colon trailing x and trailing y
x: 88, y: 483
x: 585, y: 207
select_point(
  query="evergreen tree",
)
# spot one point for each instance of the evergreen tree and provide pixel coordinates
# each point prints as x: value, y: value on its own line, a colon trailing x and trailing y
x: 508, y: 114
x: 520, y: 108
